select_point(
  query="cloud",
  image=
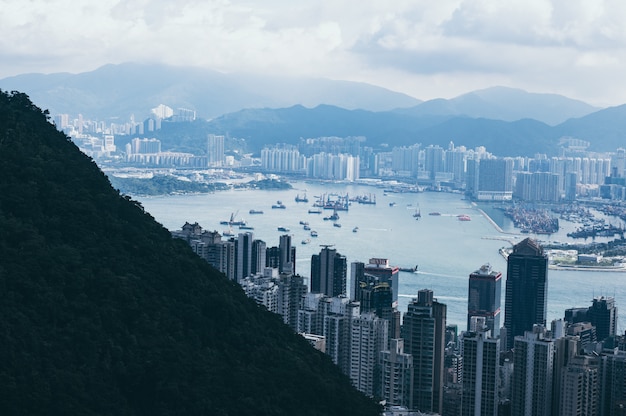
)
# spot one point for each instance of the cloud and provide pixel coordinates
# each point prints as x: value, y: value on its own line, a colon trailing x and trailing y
x: 413, y: 45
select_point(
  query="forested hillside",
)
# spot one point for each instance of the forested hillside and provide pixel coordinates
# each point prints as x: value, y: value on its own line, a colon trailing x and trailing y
x: 103, y: 313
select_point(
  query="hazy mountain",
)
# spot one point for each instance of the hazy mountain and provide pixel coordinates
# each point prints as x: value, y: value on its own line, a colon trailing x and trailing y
x: 103, y: 313
x: 508, y: 104
x: 122, y: 90
x: 605, y: 129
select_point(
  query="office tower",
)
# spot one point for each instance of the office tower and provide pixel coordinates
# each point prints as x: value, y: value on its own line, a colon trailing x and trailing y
x: 386, y: 273
x: 603, y: 315
x: 480, y: 373
x: 580, y: 388
x: 243, y: 256
x: 259, y: 249
x: 287, y: 256
x: 215, y: 150
x: 368, y: 337
x: 423, y: 330
x: 272, y: 257
x: 484, y: 291
x: 531, y: 389
x: 397, y: 375
x: 328, y: 272
x: 495, y: 179
x: 526, y: 289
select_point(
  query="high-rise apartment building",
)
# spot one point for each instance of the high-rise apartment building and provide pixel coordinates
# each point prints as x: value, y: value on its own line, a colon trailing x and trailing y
x: 396, y: 370
x: 243, y: 256
x: 526, y: 289
x: 579, y: 393
x: 495, y: 179
x: 215, y: 150
x: 287, y: 255
x: 531, y: 388
x: 483, y: 298
x: 329, y: 272
x: 369, y: 336
x: 423, y: 330
x: 480, y: 373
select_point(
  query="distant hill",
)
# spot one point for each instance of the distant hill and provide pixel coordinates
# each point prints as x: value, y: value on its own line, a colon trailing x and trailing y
x: 117, y: 91
x: 507, y: 104
x: 103, y: 313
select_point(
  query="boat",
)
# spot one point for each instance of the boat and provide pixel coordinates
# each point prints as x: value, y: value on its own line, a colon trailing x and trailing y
x: 306, y: 227
x: 409, y: 269
x: 313, y: 233
x: 355, y: 229
x: 304, y: 223
x: 279, y: 205
x: 228, y: 233
x: 315, y: 211
x: 336, y: 224
x: 254, y: 211
x: 464, y: 217
x: 246, y: 227
x: 232, y: 220
x: 417, y: 214
x: 306, y: 241
x: 283, y: 229
x: 434, y: 213
x: 393, y: 204
x: 302, y: 198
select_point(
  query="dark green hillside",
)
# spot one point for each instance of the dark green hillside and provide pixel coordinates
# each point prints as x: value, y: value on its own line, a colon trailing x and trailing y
x: 102, y: 313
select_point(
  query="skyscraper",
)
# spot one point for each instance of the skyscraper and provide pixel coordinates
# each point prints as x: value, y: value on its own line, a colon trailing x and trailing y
x: 287, y: 259
x: 243, y: 256
x: 423, y: 330
x: 526, y: 289
x: 480, y: 373
x: 483, y: 298
x: 369, y: 336
x: 329, y: 272
x: 397, y: 375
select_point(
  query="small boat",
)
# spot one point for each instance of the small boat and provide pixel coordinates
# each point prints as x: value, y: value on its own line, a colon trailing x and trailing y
x: 355, y: 229
x: 434, y: 213
x: 336, y: 224
x: 279, y: 205
x: 409, y: 269
x: 283, y: 229
x: 313, y: 233
x: 254, y: 211
x: 228, y: 233
x: 464, y: 217
x: 246, y: 227
x: 306, y: 241
x: 304, y: 223
x: 315, y: 211
x: 393, y: 204
x: 306, y: 227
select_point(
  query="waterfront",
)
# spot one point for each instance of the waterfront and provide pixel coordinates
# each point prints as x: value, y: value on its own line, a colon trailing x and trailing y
x: 447, y: 250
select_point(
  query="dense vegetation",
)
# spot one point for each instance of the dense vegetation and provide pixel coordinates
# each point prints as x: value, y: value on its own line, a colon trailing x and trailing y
x: 163, y: 184
x: 103, y: 313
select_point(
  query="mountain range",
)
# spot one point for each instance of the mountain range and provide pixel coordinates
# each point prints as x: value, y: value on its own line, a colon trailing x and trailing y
x: 104, y: 313
x: 264, y: 110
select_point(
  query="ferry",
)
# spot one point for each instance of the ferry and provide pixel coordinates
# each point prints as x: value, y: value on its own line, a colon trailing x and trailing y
x: 313, y: 233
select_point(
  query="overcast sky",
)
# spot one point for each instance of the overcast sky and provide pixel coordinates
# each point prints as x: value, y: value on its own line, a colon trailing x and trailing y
x: 424, y: 48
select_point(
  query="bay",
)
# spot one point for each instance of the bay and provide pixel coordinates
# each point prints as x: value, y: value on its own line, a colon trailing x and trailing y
x: 447, y: 250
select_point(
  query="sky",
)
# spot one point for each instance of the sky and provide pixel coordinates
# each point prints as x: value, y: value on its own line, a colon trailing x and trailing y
x: 423, y: 48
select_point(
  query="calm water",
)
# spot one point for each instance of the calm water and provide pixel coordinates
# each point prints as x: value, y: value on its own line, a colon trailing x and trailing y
x: 447, y: 250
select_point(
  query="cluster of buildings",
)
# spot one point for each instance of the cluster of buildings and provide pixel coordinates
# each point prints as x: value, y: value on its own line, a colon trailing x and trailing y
x: 417, y: 362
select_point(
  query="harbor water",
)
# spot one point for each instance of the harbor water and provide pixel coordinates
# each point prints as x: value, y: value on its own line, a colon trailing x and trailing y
x: 446, y: 249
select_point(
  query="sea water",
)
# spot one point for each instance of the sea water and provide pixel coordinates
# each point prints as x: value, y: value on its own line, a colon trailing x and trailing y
x: 445, y: 249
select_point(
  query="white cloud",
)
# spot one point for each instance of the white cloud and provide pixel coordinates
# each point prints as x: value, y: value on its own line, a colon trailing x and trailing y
x: 424, y: 48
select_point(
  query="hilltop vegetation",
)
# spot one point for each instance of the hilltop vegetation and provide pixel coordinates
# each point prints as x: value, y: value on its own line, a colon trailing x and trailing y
x: 103, y: 313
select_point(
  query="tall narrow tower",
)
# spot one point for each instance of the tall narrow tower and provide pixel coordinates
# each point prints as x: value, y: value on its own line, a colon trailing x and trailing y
x: 423, y: 330
x: 526, y: 289
x: 480, y: 373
